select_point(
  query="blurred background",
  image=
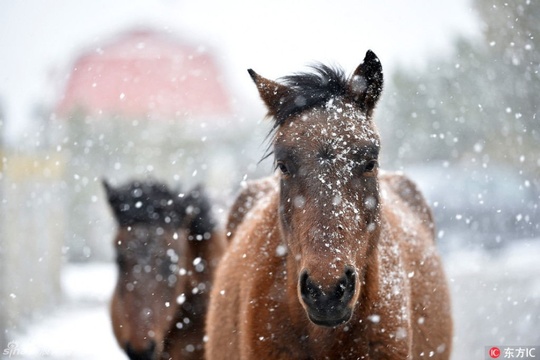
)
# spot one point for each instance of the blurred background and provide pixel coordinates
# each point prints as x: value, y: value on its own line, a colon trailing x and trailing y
x: 159, y: 89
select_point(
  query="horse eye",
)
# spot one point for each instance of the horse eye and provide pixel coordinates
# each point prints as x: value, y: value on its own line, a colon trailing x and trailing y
x: 370, y: 166
x: 283, y: 168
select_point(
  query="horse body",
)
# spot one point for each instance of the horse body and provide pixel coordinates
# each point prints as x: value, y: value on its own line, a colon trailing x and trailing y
x: 167, y: 249
x: 397, y: 317
x: 329, y: 258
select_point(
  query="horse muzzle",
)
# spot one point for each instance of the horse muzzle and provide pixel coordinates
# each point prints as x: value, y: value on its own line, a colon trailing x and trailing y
x: 328, y: 308
x: 148, y: 353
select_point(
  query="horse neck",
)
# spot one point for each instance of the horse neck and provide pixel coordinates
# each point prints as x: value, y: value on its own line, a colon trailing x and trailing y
x: 208, y: 252
x: 205, y: 251
x: 208, y: 249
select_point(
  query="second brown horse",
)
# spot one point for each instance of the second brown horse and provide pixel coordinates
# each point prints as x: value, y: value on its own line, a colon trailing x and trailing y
x: 167, y: 248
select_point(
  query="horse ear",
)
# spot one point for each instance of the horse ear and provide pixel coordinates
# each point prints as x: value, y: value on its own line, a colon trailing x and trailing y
x: 109, y: 190
x: 271, y: 92
x: 112, y: 199
x: 366, y: 83
x: 112, y: 194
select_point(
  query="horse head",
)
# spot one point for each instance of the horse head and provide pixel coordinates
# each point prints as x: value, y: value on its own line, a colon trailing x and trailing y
x: 326, y: 151
x: 152, y: 255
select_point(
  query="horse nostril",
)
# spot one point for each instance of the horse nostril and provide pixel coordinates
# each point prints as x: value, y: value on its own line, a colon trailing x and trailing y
x: 310, y: 292
x: 347, y: 284
x: 144, y: 354
x: 303, y: 284
x: 152, y: 347
x: 340, y: 290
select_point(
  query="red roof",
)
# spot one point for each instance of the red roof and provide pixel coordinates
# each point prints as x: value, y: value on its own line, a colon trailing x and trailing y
x: 146, y: 73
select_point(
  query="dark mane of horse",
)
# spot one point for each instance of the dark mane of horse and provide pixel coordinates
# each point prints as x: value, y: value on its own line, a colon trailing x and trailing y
x: 307, y: 90
x: 310, y: 89
x: 140, y: 202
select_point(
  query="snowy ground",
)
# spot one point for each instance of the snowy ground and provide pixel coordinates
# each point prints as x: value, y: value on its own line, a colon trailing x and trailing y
x: 80, y: 327
x: 496, y: 300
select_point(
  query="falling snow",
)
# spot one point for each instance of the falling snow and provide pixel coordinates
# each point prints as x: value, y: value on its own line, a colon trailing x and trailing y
x: 461, y: 121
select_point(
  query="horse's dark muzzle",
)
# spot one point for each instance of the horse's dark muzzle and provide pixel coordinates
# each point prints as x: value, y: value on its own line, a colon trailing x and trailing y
x: 329, y: 308
x: 145, y: 354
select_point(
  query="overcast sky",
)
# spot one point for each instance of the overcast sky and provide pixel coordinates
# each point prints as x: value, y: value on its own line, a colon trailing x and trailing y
x: 40, y: 39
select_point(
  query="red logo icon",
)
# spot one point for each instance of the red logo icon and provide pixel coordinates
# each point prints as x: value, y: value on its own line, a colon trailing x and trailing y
x: 494, y: 352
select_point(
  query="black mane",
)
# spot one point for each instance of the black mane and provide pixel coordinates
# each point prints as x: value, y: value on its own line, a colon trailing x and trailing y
x: 139, y: 202
x: 153, y: 203
x: 310, y: 89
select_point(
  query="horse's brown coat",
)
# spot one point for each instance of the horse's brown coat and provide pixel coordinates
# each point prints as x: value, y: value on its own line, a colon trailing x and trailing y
x: 327, y: 211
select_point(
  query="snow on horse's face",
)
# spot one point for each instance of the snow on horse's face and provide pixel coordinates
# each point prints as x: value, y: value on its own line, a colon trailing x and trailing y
x: 329, y: 210
x: 326, y: 151
x: 149, y: 260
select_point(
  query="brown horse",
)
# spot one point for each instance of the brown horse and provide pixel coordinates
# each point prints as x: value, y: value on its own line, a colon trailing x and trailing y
x: 330, y: 258
x: 167, y: 248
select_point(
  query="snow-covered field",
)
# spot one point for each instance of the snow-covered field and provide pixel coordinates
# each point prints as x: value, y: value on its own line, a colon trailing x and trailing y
x: 496, y: 301
x: 79, y: 328
x: 496, y: 298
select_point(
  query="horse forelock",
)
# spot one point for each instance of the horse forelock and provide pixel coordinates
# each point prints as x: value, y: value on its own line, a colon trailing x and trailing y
x: 310, y: 89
